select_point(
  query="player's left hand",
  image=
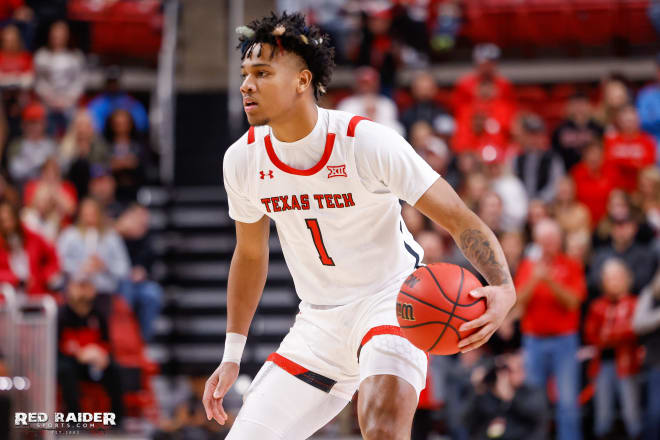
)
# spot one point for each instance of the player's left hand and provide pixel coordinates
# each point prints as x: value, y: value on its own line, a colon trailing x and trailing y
x: 499, y: 301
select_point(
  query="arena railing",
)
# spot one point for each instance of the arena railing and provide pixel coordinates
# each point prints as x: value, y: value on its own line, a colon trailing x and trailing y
x: 28, y: 332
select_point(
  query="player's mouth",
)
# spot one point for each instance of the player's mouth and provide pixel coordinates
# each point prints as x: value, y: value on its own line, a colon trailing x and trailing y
x: 249, y: 105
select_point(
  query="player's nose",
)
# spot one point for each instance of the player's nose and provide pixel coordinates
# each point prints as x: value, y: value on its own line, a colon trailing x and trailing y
x: 248, y: 86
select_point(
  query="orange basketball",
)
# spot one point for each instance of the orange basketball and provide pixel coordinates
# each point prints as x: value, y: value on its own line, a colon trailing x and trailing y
x: 433, y: 303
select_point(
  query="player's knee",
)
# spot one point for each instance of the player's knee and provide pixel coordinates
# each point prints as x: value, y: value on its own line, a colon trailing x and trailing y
x: 383, y: 421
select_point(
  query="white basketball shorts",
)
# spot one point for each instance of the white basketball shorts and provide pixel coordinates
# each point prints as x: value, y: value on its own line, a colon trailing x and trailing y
x: 320, y: 364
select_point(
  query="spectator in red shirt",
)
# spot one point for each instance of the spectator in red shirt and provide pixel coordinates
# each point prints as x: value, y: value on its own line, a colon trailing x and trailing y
x: 16, y: 68
x: 630, y: 149
x: 485, y: 73
x: 15, y: 9
x: 550, y: 291
x: 608, y: 326
x: 27, y: 261
x: 50, y: 202
x: 594, y: 180
x: 480, y: 125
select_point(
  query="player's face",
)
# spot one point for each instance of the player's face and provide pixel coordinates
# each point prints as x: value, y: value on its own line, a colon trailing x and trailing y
x: 271, y: 83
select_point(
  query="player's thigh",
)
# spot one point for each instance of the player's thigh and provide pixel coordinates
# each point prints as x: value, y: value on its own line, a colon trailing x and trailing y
x: 279, y: 406
x: 392, y: 374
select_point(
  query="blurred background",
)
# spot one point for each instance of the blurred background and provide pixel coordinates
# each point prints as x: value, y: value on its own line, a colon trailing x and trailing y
x: 115, y: 242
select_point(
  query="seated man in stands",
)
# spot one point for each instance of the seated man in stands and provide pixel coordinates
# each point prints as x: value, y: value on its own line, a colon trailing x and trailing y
x: 84, y: 346
x: 28, y: 153
x: 143, y: 294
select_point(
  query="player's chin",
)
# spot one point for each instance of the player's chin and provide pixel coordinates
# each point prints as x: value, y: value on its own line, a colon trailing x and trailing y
x: 257, y: 120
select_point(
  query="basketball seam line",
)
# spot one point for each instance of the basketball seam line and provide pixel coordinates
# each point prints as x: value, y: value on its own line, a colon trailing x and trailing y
x: 431, y: 305
x: 446, y: 323
x: 453, y: 311
x: 445, y: 295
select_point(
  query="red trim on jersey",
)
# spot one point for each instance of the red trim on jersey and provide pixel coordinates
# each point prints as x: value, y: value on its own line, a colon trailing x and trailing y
x: 329, y: 143
x: 380, y: 330
x: 251, y: 135
x: 355, y: 120
x: 287, y: 365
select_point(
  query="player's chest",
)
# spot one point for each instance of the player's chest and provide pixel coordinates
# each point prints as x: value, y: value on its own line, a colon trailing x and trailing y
x: 331, y: 188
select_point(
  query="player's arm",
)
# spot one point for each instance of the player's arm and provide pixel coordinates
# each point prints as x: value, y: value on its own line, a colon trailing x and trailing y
x: 247, y: 274
x: 247, y: 277
x: 480, y: 246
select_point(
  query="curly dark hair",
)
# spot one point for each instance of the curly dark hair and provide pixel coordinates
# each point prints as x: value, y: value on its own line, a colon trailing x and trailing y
x: 290, y: 32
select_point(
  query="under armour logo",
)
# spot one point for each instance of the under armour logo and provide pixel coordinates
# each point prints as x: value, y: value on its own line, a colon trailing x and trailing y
x: 262, y: 174
x: 337, y: 171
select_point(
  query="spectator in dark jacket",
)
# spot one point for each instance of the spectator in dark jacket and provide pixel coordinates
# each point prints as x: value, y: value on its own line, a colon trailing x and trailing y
x: 128, y: 156
x: 423, y: 89
x: 646, y: 323
x: 578, y: 130
x: 505, y: 407
x: 538, y: 167
x: 140, y: 291
x: 83, y: 343
x: 638, y: 257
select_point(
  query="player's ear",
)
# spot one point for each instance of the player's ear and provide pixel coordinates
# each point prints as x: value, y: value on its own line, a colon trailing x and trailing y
x: 304, y: 80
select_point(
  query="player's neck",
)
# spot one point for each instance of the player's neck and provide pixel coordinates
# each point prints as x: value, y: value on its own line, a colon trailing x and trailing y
x: 298, y: 124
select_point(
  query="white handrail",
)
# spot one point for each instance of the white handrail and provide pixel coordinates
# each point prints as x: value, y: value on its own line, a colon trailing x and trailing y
x: 163, y: 112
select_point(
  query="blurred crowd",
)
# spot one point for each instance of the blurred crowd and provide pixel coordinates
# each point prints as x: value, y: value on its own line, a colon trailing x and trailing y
x: 575, y: 204
x: 72, y: 163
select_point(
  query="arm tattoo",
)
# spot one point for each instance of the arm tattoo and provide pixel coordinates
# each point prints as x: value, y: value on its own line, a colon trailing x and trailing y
x: 476, y: 247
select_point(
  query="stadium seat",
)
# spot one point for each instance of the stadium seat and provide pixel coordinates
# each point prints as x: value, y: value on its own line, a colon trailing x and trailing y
x: 125, y: 28
x: 593, y: 21
x: 633, y: 22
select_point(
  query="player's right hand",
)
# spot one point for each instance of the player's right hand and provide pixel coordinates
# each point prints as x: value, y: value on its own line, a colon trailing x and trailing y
x: 215, y: 389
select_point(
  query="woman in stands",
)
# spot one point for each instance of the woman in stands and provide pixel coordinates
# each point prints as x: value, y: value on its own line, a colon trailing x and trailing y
x: 60, y: 77
x: 27, y: 261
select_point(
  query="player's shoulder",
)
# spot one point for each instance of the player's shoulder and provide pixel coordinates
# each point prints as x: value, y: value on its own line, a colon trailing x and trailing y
x: 240, y: 149
x: 360, y: 127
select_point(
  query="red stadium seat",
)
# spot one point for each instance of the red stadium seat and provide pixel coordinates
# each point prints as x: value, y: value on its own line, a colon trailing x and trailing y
x: 403, y: 100
x: 531, y: 97
x: 124, y: 28
x: 594, y: 21
x: 633, y: 22
x: 544, y: 22
x: 443, y: 98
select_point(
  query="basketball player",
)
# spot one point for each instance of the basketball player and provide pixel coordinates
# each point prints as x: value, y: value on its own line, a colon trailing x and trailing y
x: 331, y: 182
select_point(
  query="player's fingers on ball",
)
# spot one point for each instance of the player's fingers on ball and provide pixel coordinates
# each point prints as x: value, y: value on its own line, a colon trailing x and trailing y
x: 474, y: 345
x: 479, y: 292
x: 478, y: 336
x: 475, y: 323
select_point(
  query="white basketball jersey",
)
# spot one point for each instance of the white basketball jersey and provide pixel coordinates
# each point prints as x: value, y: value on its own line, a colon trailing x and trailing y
x: 340, y: 230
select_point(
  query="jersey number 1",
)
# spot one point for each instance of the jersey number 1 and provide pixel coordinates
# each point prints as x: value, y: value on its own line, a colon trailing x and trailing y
x: 313, y: 226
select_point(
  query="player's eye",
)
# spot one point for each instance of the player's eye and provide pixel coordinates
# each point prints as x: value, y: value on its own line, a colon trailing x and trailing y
x: 262, y: 73
x: 243, y: 75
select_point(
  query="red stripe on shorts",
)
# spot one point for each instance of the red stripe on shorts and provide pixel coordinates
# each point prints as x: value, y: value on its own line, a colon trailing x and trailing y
x: 287, y: 365
x: 355, y: 120
x: 316, y: 380
x: 380, y: 330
